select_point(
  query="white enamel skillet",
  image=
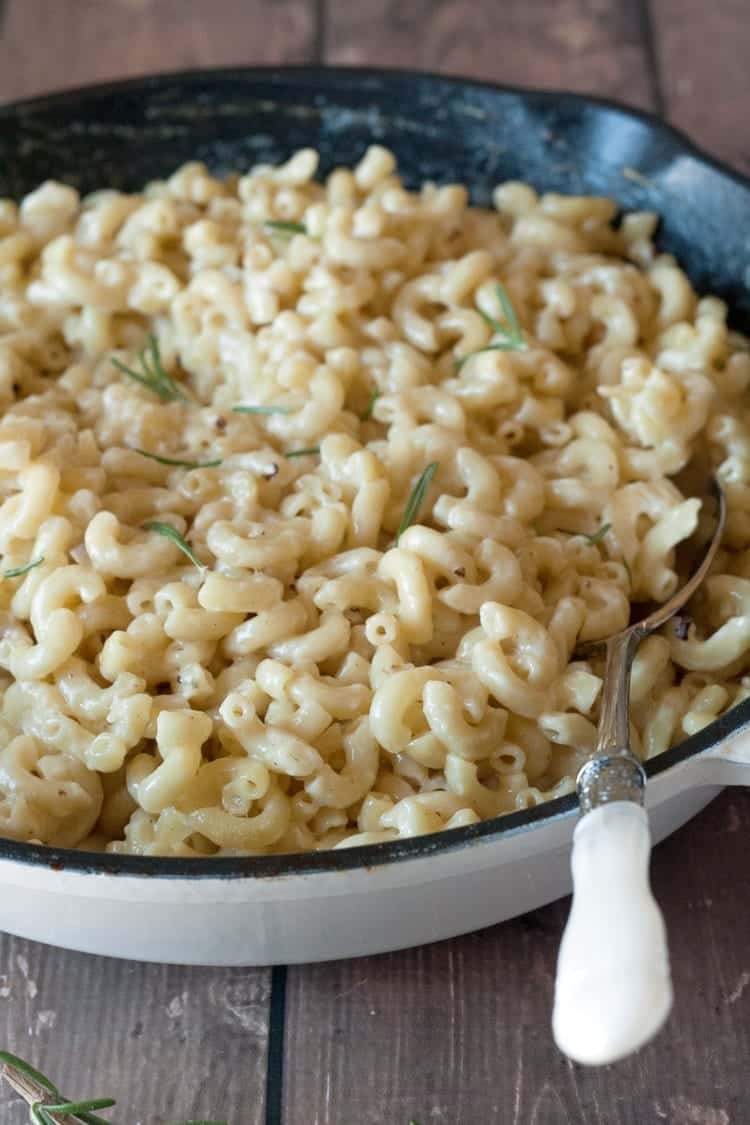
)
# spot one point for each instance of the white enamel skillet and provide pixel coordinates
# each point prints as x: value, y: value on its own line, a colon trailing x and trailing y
x: 346, y: 903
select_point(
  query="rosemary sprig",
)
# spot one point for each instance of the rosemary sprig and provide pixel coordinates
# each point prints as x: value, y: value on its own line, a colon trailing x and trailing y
x: 44, y: 1098
x: 303, y: 452
x: 367, y: 412
x: 17, y: 571
x: 176, y: 460
x: 172, y: 533
x: 510, y: 332
x: 261, y: 410
x: 152, y: 374
x: 277, y: 226
x: 416, y: 498
x: 598, y: 536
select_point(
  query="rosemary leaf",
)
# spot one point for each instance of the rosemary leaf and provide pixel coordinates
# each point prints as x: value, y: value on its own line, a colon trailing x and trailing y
x: 500, y: 346
x: 510, y: 316
x: 172, y: 533
x: 367, y: 413
x: 598, y: 536
x: 416, y: 498
x: 134, y: 374
x: 31, y: 1072
x: 276, y: 226
x: 510, y: 332
x: 152, y: 374
x: 16, y: 572
x: 77, y: 1108
x: 303, y: 452
x: 163, y: 376
x: 261, y: 410
x: 176, y: 460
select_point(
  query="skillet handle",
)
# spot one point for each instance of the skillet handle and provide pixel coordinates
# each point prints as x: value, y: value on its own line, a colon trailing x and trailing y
x: 613, y: 990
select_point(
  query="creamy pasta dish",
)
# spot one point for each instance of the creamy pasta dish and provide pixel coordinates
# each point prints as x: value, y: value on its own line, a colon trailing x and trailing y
x: 310, y: 491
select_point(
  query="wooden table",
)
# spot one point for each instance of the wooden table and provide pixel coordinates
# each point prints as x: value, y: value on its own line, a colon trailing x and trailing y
x: 456, y: 1033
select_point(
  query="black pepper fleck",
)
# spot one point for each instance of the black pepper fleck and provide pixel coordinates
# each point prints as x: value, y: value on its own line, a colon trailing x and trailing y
x: 682, y: 627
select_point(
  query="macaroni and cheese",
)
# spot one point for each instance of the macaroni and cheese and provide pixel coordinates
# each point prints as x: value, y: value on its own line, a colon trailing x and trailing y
x: 309, y: 491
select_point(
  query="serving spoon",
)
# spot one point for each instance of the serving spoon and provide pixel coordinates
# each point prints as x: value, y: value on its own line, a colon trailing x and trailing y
x: 613, y: 989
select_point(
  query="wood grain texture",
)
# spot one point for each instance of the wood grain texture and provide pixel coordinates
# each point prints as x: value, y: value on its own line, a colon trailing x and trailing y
x: 51, y: 44
x: 703, y: 51
x: 585, y: 45
x: 458, y: 1033
x: 167, y: 1042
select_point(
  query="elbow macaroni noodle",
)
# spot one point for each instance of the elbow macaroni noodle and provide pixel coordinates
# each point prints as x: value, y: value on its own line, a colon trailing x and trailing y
x: 317, y: 680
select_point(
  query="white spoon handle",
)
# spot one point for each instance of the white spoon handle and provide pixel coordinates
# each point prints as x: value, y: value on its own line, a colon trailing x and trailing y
x: 613, y: 990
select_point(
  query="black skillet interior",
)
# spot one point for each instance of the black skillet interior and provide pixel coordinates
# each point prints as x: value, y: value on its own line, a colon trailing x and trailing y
x: 444, y: 129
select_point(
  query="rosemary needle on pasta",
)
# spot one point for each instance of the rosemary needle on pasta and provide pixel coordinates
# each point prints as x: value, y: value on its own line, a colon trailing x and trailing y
x: 510, y: 333
x: 261, y: 410
x: 17, y: 571
x: 598, y: 536
x: 172, y: 533
x: 367, y: 412
x: 511, y: 328
x: 416, y: 498
x: 176, y: 460
x: 277, y: 226
x: 153, y: 375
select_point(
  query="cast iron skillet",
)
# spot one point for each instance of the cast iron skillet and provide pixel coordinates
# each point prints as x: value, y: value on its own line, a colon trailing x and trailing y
x: 446, y: 129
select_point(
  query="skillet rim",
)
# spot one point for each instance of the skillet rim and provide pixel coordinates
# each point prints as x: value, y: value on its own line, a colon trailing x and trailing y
x: 371, y: 855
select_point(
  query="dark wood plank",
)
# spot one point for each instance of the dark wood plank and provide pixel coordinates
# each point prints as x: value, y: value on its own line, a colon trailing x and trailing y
x: 703, y: 51
x: 585, y: 45
x: 458, y: 1033
x: 167, y: 1042
x: 46, y: 46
